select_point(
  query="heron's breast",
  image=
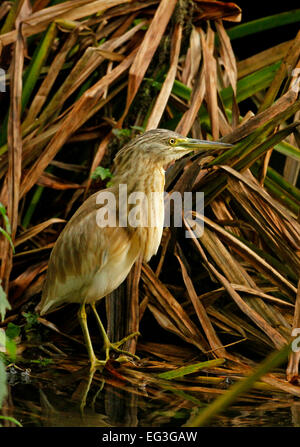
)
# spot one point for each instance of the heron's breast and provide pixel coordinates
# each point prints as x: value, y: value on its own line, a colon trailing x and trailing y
x: 154, y: 228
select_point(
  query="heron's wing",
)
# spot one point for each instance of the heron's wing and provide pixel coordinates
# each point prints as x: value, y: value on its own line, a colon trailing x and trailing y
x: 82, y: 251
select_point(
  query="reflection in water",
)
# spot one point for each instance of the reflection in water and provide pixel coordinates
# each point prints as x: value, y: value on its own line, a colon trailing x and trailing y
x: 129, y: 397
x: 295, y: 409
x: 121, y: 407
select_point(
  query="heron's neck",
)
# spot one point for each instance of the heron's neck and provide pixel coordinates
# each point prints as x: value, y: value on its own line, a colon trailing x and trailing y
x: 143, y: 178
x: 150, y: 218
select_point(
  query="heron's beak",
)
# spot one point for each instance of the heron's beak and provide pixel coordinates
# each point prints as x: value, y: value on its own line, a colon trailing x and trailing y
x: 200, y: 145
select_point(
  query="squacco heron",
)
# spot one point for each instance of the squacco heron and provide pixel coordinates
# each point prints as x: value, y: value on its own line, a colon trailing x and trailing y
x: 90, y: 260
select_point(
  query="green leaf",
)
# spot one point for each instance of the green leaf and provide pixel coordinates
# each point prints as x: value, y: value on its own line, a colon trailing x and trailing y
x: 281, y: 195
x: 31, y: 318
x: 139, y: 128
x: 6, y: 233
x: 4, y: 304
x: 122, y: 132
x: 32, y: 205
x: 3, y: 384
x: 9, y: 23
x: 11, y: 348
x: 5, y: 218
x: 251, y: 84
x: 104, y: 173
x: 246, y: 87
x: 2, y: 338
x: 242, y: 386
x: 277, y: 178
x: 264, y: 146
x: 184, y: 370
x: 11, y: 419
x: 32, y: 73
x: 289, y: 150
x: 7, y: 236
x: 12, y: 330
x: 43, y: 362
x: 263, y: 24
x: 139, y: 20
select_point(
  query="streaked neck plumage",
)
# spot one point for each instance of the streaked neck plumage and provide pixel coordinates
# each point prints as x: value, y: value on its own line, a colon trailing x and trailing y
x: 147, y: 178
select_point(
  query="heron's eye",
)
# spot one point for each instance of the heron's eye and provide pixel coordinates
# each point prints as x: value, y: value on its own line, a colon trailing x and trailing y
x: 172, y: 141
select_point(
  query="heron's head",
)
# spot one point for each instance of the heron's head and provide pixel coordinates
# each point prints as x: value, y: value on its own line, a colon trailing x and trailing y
x: 160, y: 147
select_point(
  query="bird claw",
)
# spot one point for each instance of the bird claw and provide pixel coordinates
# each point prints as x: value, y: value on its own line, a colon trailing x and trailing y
x: 97, y: 364
x: 125, y: 359
x: 115, y: 347
x: 124, y: 355
x: 119, y: 343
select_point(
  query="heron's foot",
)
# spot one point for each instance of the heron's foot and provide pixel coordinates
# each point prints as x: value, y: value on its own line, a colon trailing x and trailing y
x: 119, y: 343
x: 116, y: 347
x: 97, y: 364
x: 126, y: 357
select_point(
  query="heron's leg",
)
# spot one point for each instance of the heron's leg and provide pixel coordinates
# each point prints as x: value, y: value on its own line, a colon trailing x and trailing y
x: 88, y: 382
x: 86, y: 335
x: 107, y: 343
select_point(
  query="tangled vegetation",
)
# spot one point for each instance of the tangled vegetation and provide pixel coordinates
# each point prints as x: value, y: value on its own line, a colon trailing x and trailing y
x: 80, y: 79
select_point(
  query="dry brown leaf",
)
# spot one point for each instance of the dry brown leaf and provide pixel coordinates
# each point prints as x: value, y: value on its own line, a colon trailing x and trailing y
x: 252, y: 257
x: 168, y: 352
x: 86, y: 65
x: 28, y: 234
x: 286, y: 68
x: 292, y: 371
x: 222, y: 213
x: 4, y: 8
x: 227, y: 54
x: 248, y: 290
x: 166, y: 237
x: 262, y: 59
x: 214, y: 341
x: 192, y: 59
x: 38, y: 21
x: 147, y: 49
x: 14, y: 141
x: 235, y: 272
x: 213, y: 10
x: 165, y: 322
x: 40, y: 4
x: 253, y: 332
x: 52, y: 181
x: 23, y: 281
x: 294, y: 226
x: 185, y: 327
x: 274, y: 335
x: 54, y: 70
x: 225, y: 127
x: 245, y: 128
x: 210, y: 72
x: 163, y: 97
x: 188, y: 118
x: 77, y: 116
x: 281, y: 384
x: 228, y: 323
x: 98, y: 157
